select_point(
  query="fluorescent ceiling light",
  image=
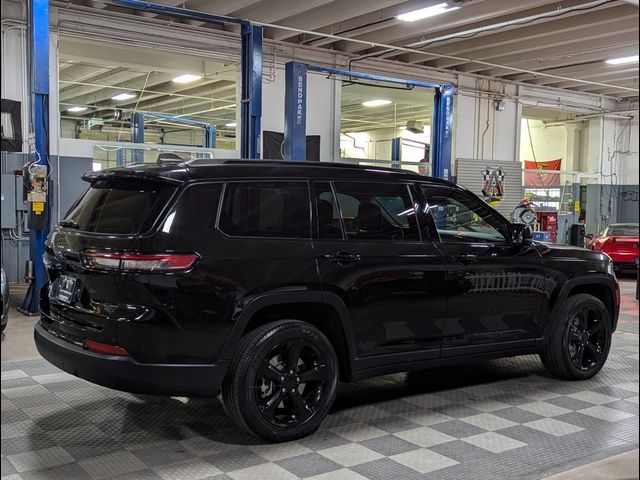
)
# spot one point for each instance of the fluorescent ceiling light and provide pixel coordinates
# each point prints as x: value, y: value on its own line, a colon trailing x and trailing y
x: 623, y: 60
x: 376, y: 103
x: 76, y: 109
x: 231, y: 124
x: 427, y: 12
x: 186, y: 78
x: 123, y: 96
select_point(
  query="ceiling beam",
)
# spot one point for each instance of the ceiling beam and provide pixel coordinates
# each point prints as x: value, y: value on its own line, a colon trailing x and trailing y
x: 546, y: 64
x: 470, y: 16
x: 573, y: 24
x: 617, y: 80
x: 553, y: 44
x: 86, y: 93
x: 274, y: 10
x: 329, y: 15
x: 567, y: 50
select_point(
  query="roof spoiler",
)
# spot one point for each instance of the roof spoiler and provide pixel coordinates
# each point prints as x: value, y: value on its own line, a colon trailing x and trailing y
x: 169, y: 158
x: 127, y: 173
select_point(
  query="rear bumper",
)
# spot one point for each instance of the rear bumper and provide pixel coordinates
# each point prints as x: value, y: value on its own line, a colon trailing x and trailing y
x: 124, y: 373
x: 623, y: 258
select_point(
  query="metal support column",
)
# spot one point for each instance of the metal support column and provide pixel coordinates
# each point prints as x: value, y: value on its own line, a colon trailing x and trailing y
x: 442, y: 132
x: 251, y: 107
x: 295, y: 112
x: 137, y: 136
x: 209, y: 136
x: 396, y: 152
x: 39, y: 40
x: 121, y: 158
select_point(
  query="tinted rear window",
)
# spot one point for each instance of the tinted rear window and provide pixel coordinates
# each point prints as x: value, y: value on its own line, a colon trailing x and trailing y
x: 266, y: 209
x: 119, y: 207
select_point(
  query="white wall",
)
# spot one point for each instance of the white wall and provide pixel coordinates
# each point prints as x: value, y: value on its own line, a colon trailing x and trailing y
x: 480, y: 130
x: 627, y: 148
x: 549, y: 143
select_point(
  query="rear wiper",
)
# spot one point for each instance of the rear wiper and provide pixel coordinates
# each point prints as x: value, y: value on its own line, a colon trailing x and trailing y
x: 69, y: 224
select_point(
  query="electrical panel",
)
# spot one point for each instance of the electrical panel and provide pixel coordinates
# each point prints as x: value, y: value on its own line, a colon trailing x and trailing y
x: 21, y: 202
x: 8, y: 200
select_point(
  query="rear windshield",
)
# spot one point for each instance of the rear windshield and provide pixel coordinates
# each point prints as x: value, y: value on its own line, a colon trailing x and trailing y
x: 622, y: 231
x: 119, y: 207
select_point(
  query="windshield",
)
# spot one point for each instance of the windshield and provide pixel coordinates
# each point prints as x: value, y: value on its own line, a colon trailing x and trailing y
x: 621, y: 231
x: 118, y: 206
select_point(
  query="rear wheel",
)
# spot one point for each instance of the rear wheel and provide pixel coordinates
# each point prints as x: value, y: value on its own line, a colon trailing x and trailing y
x: 282, y: 381
x: 577, y: 344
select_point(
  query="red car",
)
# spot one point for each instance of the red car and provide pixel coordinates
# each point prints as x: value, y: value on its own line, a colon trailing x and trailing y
x: 620, y: 242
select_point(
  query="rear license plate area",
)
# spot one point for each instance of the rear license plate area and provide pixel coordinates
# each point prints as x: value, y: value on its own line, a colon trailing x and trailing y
x: 65, y: 289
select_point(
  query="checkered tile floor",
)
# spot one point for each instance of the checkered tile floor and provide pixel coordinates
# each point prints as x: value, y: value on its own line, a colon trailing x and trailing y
x: 503, y: 419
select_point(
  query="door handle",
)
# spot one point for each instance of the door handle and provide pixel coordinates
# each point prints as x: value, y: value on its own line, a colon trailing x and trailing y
x: 467, y: 258
x: 342, y: 257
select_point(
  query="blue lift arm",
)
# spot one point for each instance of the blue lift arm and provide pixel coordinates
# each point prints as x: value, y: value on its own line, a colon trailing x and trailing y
x: 209, y: 130
x: 295, y: 113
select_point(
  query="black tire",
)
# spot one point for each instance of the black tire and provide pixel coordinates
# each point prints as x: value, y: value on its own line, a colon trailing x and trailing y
x: 261, y: 394
x: 577, y: 342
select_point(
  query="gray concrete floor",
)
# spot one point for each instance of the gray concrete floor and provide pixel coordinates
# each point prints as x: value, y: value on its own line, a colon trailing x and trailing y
x: 618, y: 467
x: 18, y: 345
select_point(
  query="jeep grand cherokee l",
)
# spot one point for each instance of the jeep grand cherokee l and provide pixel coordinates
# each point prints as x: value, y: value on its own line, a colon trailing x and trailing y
x: 271, y: 281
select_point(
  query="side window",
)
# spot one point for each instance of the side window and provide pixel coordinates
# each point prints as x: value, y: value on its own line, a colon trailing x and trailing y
x: 327, y: 212
x: 460, y: 218
x: 196, y: 210
x: 377, y: 211
x: 266, y: 209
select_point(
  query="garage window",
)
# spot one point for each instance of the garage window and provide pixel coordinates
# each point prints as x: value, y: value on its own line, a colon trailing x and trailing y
x: 266, y: 209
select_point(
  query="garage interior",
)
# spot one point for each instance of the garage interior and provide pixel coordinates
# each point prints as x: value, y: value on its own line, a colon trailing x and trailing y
x: 541, y: 95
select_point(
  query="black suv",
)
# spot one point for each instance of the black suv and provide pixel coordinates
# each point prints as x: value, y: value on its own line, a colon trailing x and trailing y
x: 272, y: 281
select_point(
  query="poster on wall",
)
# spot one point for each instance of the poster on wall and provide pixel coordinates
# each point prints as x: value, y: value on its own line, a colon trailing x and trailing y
x: 541, y: 179
x: 493, y: 185
x: 499, y: 183
x: 272, y: 146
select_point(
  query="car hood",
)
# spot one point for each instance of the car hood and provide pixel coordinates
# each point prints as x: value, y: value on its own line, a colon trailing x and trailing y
x: 574, y: 259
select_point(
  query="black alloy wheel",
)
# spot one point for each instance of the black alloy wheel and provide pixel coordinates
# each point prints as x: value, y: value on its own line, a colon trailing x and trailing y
x: 576, y: 343
x: 587, y: 339
x: 282, y: 380
x: 290, y: 383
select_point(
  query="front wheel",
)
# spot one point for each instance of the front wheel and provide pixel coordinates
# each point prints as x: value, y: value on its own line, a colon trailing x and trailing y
x: 282, y: 381
x: 577, y: 344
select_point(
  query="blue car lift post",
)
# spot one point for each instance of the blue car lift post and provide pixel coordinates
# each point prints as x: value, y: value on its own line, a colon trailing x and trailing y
x: 251, y: 100
x: 39, y: 39
x: 295, y: 113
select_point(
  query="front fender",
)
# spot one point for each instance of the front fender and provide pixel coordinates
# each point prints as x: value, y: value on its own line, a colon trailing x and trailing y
x: 600, y: 279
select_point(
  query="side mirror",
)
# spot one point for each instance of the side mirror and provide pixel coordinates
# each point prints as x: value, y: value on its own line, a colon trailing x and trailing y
x: 521, y: 234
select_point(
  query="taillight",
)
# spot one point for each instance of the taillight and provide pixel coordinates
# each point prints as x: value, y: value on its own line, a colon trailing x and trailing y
x: 105, y: 348
x: 146, y: 262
